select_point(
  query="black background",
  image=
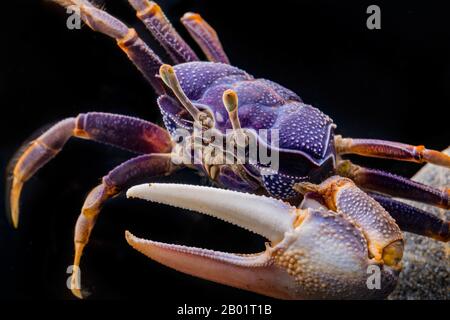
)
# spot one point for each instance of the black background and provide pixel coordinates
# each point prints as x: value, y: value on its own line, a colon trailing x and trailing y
x: 391, y: 83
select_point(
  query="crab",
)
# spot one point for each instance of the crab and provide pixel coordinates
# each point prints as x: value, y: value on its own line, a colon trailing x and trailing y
x: 327, y: 220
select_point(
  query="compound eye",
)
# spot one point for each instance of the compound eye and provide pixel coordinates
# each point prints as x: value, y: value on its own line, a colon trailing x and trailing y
x: 178, y: 138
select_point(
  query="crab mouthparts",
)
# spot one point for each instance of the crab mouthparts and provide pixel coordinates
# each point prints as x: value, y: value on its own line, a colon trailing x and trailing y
x: 265, y: 216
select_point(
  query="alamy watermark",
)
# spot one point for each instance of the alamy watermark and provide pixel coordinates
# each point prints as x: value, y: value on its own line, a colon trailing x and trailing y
x: 373, y: 281
x: 374, y: 20
x: 74, y: 281
x: 73, y: 22
x: 241, y: 146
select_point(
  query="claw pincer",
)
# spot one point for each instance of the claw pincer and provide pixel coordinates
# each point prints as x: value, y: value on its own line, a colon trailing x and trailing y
x: 314, y: 252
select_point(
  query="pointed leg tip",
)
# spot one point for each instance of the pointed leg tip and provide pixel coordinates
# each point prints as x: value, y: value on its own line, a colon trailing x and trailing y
x: 15, y: 220
x: 14, y: 213
x: 75, y: 284
x: 77, y: 293
x: 80, y: 293
x: 13, y: 199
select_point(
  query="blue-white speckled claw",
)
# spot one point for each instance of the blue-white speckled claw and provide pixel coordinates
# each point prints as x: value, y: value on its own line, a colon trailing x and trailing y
x: 313, y: 252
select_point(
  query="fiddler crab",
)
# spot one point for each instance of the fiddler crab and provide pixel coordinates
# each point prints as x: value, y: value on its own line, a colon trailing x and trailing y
x: 327, y: 220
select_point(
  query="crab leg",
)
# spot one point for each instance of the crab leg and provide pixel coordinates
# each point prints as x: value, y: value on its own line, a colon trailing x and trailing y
x: 127, y: 39
x: 397, y: 186
x: 156, y: 22
x: 118, y: 179
x: 414, y: 220
x: 390, y: 150
x: 124, y: 132
x: 205, y: 36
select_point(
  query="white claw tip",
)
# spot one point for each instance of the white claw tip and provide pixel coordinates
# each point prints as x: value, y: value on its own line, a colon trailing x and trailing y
x: 138, y: 192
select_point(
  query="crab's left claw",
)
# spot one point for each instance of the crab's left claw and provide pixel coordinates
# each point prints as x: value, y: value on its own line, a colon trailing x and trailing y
x: 313, y: 253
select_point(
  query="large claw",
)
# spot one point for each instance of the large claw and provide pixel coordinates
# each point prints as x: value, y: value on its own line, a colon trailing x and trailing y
x: 313, y: 252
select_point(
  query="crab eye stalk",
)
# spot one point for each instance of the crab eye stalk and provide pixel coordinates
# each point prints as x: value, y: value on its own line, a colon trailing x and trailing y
x: 231, y: 103
x: 230, y: 100
x: 168, y: 76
